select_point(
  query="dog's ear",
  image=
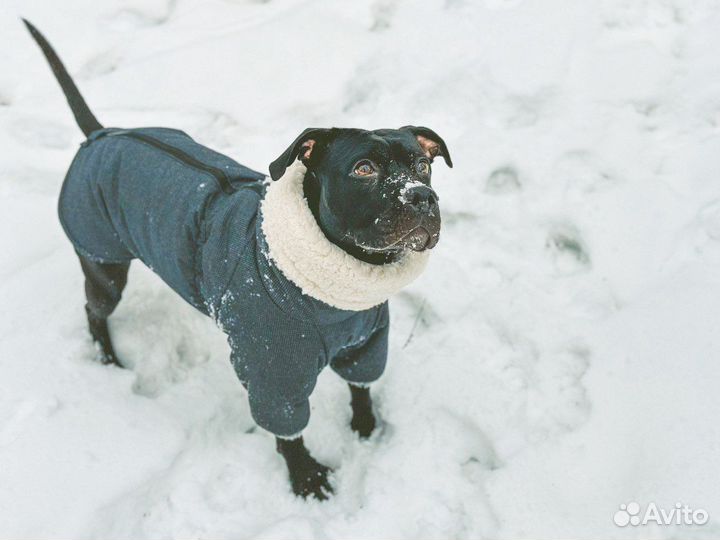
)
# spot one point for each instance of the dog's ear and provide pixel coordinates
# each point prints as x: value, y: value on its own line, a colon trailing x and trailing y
x: 305, y: 146
x: 430, y: 142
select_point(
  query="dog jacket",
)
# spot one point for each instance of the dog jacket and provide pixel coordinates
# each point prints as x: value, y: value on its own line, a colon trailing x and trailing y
x: 243, y: 250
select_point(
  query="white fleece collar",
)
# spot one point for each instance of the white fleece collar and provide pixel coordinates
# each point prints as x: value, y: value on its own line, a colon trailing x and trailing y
x: 321, y: 269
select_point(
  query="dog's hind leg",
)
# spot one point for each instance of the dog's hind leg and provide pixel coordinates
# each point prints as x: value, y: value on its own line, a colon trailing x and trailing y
x: 104, y: 284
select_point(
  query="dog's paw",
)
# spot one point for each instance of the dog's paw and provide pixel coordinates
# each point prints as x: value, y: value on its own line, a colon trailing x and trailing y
x: 363, y: 424
x: 312, y: 481
x: 106, y: 355
x: 110, y: 360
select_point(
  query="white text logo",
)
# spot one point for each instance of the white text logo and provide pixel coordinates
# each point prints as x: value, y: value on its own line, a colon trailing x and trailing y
x: 680, y: 514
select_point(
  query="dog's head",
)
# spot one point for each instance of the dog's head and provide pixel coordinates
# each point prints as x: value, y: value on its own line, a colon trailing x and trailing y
x: 370, y: 191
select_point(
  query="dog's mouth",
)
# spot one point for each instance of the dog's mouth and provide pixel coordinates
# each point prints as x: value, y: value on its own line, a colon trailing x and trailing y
x: 393, y: 233
x: 419, y: 239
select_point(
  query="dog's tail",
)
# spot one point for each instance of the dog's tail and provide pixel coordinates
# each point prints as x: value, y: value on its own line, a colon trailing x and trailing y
x: 84, y: 117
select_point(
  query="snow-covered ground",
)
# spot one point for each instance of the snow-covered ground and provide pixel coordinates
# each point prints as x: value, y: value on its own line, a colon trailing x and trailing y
x: 559, y: 358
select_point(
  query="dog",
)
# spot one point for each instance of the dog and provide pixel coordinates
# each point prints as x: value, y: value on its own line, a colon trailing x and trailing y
x: 296, y: 269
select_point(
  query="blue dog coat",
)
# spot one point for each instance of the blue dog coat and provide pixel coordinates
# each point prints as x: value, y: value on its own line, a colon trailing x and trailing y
x: 194, y: 217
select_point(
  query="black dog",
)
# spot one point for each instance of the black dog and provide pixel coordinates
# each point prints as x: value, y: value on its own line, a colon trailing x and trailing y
x: 296, y: 271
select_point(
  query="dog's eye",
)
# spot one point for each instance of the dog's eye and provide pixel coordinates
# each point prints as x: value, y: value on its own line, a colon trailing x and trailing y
x: 364, y: 168
x: 423, y: 167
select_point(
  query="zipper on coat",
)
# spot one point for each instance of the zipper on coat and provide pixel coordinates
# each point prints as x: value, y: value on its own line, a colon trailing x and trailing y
x: 220, y: 175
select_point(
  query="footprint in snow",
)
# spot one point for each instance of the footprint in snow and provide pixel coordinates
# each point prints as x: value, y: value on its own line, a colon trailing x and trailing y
x: 567, y: 250
x: 152, y: 14
x: 99, y: 65
x: 383, y: 12
x: 503, y: 180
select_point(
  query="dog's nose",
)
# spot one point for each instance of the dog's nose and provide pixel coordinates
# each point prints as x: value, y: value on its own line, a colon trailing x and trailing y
x: 421, y: 198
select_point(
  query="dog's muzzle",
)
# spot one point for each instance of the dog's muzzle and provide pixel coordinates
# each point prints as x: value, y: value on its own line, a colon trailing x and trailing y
x: 421, y: 214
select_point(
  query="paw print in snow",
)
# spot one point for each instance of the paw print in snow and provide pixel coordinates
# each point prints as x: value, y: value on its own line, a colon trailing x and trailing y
x: 567, y: 249
x: 503, y: 180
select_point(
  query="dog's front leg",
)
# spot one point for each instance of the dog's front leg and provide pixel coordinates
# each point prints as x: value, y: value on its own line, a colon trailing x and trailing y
x: 363, y: 419
x: 307, y: 476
